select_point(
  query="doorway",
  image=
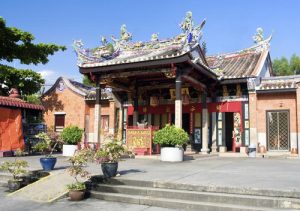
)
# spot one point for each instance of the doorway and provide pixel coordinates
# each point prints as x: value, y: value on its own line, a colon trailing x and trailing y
x: 228, y: 130
x: 278, y: 130
x: 185, y: 121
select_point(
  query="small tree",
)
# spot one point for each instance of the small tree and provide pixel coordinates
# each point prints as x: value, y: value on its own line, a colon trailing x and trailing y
x: 16, y: 168
x: 76, y: 170
x: 170, y: 136
x: 47, y: 144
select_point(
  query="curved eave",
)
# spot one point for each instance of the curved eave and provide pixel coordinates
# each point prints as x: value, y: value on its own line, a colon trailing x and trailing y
x: 203, y: 69
x: 68, y: 84
x: 148, y: 63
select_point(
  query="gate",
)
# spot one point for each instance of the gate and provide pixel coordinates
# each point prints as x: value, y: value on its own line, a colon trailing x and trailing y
x: 278, y: 130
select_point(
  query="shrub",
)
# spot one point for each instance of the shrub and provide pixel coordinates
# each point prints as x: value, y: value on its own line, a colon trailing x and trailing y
x: 71, y: 135
x: 111, y: 152
x: 170, y: 136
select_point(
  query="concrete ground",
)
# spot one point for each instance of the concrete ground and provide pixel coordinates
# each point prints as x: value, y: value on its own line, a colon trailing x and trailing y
x: 278, y: 174
x: 15, y: 204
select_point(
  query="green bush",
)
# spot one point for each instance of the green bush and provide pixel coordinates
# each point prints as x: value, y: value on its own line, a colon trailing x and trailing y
x: 71, y: 135
x: 170, y: 136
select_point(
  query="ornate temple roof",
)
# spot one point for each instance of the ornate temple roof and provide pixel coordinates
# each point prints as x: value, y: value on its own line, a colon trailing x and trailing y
x: 124, y: 51
x: 240, y: 64
x: 110, y: 56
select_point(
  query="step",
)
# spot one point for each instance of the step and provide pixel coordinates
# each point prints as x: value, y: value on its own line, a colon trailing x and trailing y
x: 174, y: 203
x: 201, y: 188
x: 245, y: 200
x: 4, y: 177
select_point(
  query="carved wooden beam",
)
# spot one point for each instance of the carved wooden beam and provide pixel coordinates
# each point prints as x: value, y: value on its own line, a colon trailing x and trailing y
x: 126, y: 74
x: 194, y: 82
x: 118, y: 85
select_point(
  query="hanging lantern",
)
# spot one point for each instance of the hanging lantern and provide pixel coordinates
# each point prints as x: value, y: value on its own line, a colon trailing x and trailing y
x: 154, y: 101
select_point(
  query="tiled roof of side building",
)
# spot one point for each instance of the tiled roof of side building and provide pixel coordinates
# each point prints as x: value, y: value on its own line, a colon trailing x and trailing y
x: 240, y: 64
x: 18, y: 103
x: 279, y: 82
x: 88, y: 92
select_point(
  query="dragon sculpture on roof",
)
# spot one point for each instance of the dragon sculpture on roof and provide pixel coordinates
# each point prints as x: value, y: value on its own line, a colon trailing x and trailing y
x: 110, y: 50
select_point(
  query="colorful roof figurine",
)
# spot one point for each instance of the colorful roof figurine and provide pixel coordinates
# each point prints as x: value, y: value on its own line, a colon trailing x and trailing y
x: 123, y: 50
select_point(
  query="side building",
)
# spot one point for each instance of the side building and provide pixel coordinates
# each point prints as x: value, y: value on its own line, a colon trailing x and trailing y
x: 69, y: 102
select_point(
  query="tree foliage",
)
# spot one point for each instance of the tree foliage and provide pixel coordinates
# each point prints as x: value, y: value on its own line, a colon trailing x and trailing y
x: 87, y: 81
x: 16, y: 44
x: 283, y: 66
x: 27, y: 81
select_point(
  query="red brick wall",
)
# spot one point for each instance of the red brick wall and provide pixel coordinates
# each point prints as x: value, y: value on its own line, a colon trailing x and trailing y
x: 278, y: 101
x: 66, y: 101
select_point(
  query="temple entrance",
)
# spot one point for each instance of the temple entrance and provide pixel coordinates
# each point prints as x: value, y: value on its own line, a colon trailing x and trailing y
x: 228, y: 130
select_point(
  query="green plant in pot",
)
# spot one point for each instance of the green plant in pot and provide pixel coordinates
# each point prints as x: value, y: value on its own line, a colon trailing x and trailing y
x: 17, y: 169
x: 46, y: 146
x: 171, y: 139
x: 76, y: 169
x: 71, y: 136
x: 109, y: 156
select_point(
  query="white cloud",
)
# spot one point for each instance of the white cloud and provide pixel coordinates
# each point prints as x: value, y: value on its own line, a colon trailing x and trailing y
x: 50, y: 76
x: 46, y: 73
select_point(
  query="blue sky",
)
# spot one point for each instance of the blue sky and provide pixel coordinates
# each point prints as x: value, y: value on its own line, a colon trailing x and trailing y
x: 230, y: 24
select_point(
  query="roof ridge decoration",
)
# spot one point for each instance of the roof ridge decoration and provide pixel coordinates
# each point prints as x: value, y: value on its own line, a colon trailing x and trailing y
x: 260, y: 45
x: 123, y: 47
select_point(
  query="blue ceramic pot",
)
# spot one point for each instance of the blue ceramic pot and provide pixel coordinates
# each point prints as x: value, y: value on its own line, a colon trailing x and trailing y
x: 109, y: 169
x: 48, y: 163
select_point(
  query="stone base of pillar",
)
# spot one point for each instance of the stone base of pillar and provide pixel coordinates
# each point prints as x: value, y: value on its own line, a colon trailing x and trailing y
x: 188, y: 148
x: 243, y: 150
x: 222, y: 149
x: 214, y: 149
x: 204, y: 151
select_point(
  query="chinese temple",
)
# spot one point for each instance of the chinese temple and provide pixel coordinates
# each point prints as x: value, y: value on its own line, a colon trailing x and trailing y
x: 225, y: 102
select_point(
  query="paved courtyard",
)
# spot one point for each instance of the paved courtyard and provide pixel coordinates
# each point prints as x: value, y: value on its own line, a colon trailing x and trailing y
x: 276, y: 174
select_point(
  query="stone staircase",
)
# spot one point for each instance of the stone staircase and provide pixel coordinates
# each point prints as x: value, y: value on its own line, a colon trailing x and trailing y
x: 192, y: 197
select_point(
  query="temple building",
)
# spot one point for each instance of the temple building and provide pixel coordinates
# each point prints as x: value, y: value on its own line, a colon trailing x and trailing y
x: 225, y: 102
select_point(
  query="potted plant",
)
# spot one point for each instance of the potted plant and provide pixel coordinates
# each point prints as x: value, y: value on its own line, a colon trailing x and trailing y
x: 46, y: 146
x: 109, y: 155
x: 76, y: 169
x: 16, y: 168
x: 71, y: 136
x: 171, y: 140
